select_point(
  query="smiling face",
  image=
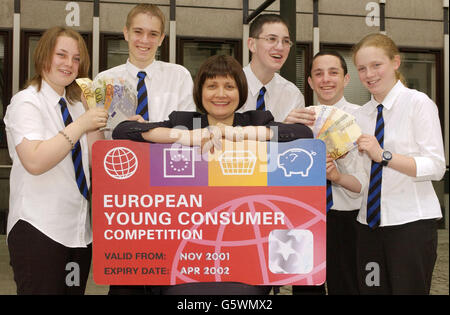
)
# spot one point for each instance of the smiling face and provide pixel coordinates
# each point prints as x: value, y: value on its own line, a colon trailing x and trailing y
x: 327, y: 79
x: 220, y: 99
x: 64, y: 64
x: 266, y: 55
x: 376, y: 70
x: 144, y: 36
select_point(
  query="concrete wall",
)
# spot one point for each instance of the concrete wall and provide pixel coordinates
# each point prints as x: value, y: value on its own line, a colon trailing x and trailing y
x: 413, y: 23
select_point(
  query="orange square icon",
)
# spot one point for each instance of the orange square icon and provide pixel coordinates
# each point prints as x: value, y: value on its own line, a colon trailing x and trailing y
x: 242, y: 163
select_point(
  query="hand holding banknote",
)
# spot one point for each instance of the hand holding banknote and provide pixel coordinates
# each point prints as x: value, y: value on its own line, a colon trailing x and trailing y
x: 336, y: 128
x: 369, y: 144
x: 303, y: 116
x: 93, y: 119
x: 331, y: 169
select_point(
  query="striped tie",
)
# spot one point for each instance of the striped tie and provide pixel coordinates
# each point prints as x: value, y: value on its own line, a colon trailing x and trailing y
x: 260, y: 105
x: 329, y: 196
x: 142, y: 108
x: 76, y: 153
x: 374, y: 198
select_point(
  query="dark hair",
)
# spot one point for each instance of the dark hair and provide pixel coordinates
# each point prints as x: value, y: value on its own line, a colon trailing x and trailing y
x: 328, y: 53
x: 258, y: 23
x: 220, y: 66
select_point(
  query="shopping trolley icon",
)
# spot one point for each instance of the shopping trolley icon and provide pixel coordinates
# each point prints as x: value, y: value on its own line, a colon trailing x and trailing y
x: 237, y: 162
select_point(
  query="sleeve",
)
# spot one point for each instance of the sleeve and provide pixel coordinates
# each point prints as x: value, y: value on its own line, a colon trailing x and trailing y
x: 430, y: 162
x: 300, y: 101
x: 282, y: 132
x: 186, y: 102
x: 24, y: 119
x: 132, y: 130
x: 289, y: 132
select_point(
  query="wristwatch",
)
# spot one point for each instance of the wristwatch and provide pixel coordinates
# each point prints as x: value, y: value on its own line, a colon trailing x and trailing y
x: 387, y: 156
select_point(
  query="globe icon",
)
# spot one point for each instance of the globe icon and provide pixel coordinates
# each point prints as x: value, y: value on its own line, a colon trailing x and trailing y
x: 254, y: 240
x: 120, y: 163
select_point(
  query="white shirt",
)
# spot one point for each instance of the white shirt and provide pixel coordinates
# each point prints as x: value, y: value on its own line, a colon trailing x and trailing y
x: 169, y: 87
x: 352, y: 164
x: 51, y: 202
x: 280, y: 99
x: 411, y: 128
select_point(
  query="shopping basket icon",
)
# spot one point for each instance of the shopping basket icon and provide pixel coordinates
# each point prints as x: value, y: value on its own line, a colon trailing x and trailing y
x: 237, y: 162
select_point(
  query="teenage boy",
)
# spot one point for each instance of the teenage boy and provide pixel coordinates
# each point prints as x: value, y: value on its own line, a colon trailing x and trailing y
x: 327, y: 78
x: 269, y: 43
x: 161, y: 87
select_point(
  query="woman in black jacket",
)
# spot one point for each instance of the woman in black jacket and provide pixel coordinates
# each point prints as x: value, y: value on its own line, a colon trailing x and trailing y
x: 220, y: 89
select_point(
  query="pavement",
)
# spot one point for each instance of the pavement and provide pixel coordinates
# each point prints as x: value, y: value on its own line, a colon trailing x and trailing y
x: 439, y: 286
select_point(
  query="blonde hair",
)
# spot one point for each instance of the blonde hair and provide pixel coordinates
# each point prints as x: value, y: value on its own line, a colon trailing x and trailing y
x: 43, y: 56
x: 146, y: 8
x: 380, y: 41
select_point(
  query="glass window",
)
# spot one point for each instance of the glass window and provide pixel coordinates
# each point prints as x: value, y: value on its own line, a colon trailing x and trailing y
x: 117, y: 52
x: 195, y: 53
x: 5, y: 88
x: 2, y: 74
x: 419, y: 70
x: 300, y: 64
x: 32, y: 43
x: 354, y: 92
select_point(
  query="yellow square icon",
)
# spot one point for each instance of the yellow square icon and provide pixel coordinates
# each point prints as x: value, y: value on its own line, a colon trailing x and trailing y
x: 242, y: 163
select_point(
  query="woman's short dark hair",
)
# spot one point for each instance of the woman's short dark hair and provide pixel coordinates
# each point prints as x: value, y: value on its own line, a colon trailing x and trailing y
x: 220, y: 66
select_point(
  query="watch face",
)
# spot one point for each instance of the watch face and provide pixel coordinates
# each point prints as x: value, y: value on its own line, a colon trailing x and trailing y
x: 387, y: 155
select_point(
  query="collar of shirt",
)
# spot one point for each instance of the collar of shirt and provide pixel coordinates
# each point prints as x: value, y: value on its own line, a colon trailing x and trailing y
x: 50, y: 94
x: 339, y: 103
x: 133, y: 70
x: 388, y: 101
x: 254, y: 84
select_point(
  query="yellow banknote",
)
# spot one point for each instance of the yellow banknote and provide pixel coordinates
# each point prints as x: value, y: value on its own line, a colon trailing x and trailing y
x: 87, y: 86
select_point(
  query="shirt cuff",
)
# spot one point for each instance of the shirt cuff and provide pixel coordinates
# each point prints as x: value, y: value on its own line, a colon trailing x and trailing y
x: 428, y: 169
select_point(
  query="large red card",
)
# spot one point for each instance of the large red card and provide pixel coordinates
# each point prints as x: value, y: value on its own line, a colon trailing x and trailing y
x: 167, y: 215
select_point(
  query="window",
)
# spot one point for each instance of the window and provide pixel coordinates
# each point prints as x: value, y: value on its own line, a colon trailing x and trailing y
x: 302, y: 64
x: 419, y: 70
x: 2, y: 74
x: 32, y: 43
x: 193, y: 52
x: 354, y: 92
x: 5, y: 80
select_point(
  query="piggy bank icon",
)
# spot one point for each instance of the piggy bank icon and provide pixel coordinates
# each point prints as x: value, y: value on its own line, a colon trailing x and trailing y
x: 296, y: 161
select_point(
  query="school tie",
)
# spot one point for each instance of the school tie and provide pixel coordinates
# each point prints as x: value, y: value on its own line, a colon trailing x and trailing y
x: 142, y: 108
x: 260, y: 105
x: 76, y: 153
x: 329, y: 196
x: 376, y: 170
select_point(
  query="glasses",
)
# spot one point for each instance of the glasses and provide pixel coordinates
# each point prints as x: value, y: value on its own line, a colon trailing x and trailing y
x: 274, y: 40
